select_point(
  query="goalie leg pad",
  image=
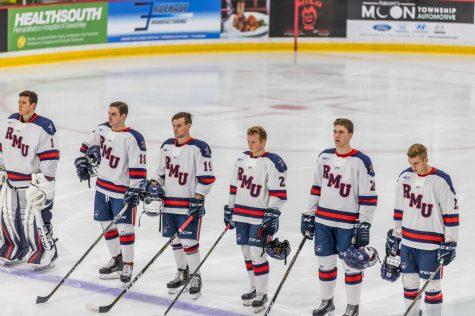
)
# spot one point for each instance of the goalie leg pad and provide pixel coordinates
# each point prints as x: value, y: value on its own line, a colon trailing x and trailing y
x: 15, y: 246
x: 41, y: 237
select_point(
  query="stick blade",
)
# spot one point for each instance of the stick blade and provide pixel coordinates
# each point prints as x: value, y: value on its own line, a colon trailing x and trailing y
x: 41, y: 299
x: 92, y: 308
x: 98, y: 309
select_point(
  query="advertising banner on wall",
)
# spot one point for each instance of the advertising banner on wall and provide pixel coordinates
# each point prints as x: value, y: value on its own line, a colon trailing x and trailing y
x: 164, y: 20
x: 317, y: 18
x: 244, y: 18
x: 3, y: 30
x: 57, y: 25
x: 411, y: 20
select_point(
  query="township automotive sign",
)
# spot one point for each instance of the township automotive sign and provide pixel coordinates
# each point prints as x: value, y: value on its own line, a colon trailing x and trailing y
x: 420, y: 10
x: 411, y: 21
x: 164, y: 20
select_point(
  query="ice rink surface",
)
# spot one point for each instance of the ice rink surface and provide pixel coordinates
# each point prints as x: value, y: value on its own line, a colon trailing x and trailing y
x: 394, y: 101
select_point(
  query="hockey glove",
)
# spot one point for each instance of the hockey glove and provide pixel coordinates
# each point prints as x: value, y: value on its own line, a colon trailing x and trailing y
x: 361, y: 234
x: 196, y: 208
x: 307, y: 226
x: 392, y: 244
x: 131, y: 197
x: 82, y: 168
x: 269, y: 225
x: 447, y: 252
x: 228, y: 215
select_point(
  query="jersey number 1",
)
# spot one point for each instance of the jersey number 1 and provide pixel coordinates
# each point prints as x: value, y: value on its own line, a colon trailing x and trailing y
x: 208, y: 166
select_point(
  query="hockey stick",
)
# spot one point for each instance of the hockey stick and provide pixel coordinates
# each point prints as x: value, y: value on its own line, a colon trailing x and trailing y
x: 197, y: 269
x: 274, y: 298
x: 106, y: 308
x: 43, y: 299
x: 419, y: 294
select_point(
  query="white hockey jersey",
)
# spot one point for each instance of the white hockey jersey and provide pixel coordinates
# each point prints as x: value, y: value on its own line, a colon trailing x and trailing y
x: 28, y: 147
x: 257, y: 183
x: 183, y: 170
x: 344, y: 189
x: 123, y: 162
x: 426, y: 211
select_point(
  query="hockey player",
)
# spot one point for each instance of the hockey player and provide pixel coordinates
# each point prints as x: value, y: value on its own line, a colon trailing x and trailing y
x: 121, y: 154
x: 426, y: 224
x: 257, y: 195
x: 29, y: 155
x: 341, y: 207
x: 185, y: 172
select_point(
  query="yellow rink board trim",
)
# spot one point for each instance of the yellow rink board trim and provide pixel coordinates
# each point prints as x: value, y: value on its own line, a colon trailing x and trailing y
x: 151, y: 50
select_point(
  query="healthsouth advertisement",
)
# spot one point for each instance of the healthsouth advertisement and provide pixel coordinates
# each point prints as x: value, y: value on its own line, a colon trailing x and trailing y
x: 411, y: 21
x: 164, y: 20
x: 244, y: 18
x: 57, y: 25
x: 317, y: 18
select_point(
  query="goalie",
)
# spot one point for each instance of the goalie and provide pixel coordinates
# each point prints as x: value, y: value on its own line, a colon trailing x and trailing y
x: 28, y: 159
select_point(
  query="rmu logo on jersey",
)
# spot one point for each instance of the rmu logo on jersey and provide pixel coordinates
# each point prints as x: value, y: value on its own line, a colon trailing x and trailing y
x: 174, y: 172
x: 416, y: 201
x: 246, y: 182
x: 17, y: 141
x: 107, y: 153
x: 334, y: 181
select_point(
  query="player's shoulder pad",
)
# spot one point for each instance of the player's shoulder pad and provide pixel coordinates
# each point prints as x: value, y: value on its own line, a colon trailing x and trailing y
x: 203, y: 146
x: 139, y: 138
x: 446, y: 178
x: 408, y: 170
x: 366, y: 161
x: 169, y: 141
x: 105, y: 124
x: 46, y: 124
x: 328, y: 151
x: 277, y: 161
x: 14, y: 116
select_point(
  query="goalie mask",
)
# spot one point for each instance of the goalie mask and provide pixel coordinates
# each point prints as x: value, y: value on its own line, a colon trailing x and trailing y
x: 279, y: 250
x: 360, y: 258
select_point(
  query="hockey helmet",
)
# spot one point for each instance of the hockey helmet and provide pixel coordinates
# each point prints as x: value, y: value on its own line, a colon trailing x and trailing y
x: 153, y: 195
x: 277, y: 249
x: 360, y: 258
x: 391, y: 268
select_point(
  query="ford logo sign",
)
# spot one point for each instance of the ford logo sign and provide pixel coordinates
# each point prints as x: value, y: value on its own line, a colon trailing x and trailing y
x: 382, y: 27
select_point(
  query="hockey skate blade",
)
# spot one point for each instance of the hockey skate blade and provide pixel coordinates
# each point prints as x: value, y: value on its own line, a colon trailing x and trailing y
x: 46, y: 267
x: 258, y: 310
x: 247, y: 302
x: 196, y: 296
x: 112, y: 276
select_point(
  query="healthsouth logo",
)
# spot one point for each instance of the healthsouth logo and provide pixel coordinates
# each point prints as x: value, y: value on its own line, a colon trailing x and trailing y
x: 58, y: 16
x: 395, y: 10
